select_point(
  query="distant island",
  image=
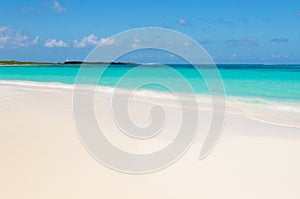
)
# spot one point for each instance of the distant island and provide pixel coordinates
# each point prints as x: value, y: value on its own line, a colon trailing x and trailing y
x: 81, y: 62
x: 16, y: 63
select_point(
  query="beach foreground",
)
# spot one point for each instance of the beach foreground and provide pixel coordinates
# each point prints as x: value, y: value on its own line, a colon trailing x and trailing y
x: 42, y: 157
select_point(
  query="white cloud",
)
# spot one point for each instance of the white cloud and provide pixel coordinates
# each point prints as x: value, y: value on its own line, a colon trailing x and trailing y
x: 280, y: 56
x: 91, y: 40
x: 182, y: 22
x: 107, y: 41
x: 57, y: 7
x: 9, y: 38
x: 36, y: 40
x: 233, y: 56
x: 51, y: 43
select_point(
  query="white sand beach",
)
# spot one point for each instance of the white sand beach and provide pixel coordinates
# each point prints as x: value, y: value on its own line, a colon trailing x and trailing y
x: 41, y: 154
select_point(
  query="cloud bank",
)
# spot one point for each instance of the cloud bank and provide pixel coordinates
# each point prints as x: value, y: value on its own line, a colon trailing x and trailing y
x: 9, y: 38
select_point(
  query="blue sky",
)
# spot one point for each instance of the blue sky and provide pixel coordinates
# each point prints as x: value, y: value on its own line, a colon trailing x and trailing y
x: 232, y: 31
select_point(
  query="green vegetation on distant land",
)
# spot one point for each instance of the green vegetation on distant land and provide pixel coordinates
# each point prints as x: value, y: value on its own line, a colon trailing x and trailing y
x: 13, y: 62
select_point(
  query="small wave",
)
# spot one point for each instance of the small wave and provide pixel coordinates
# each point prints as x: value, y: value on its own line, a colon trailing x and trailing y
x: 269, y: 111
x: 283, y: 105
x: 274, y: 104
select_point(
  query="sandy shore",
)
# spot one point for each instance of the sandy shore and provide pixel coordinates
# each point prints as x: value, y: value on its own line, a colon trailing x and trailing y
x: 41, y: 155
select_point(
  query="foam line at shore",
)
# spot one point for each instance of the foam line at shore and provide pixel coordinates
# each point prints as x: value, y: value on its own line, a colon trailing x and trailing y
x: 274, y: 103
x: 283, y: 113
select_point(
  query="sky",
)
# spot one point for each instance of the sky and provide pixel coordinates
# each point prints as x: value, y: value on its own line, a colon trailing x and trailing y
x: 231, y: 31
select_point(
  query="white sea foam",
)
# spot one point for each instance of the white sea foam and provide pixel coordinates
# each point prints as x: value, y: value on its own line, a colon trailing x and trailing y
x: 276, y: 104
x: 265, y: 110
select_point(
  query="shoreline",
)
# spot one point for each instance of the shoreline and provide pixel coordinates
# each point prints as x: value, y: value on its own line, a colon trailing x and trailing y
x: 21, y: 63
x: 284, y: 113
x: 243, y: 99
x: 206, y: 66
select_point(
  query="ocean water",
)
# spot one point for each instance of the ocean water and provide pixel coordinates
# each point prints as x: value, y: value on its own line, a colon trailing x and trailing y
x: 272, y: 82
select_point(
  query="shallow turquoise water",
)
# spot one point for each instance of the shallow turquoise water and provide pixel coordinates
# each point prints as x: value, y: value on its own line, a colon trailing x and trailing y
x: 280, y: 82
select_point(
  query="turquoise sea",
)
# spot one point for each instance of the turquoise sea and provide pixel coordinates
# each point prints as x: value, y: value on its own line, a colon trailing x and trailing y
x: 273, y: 82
